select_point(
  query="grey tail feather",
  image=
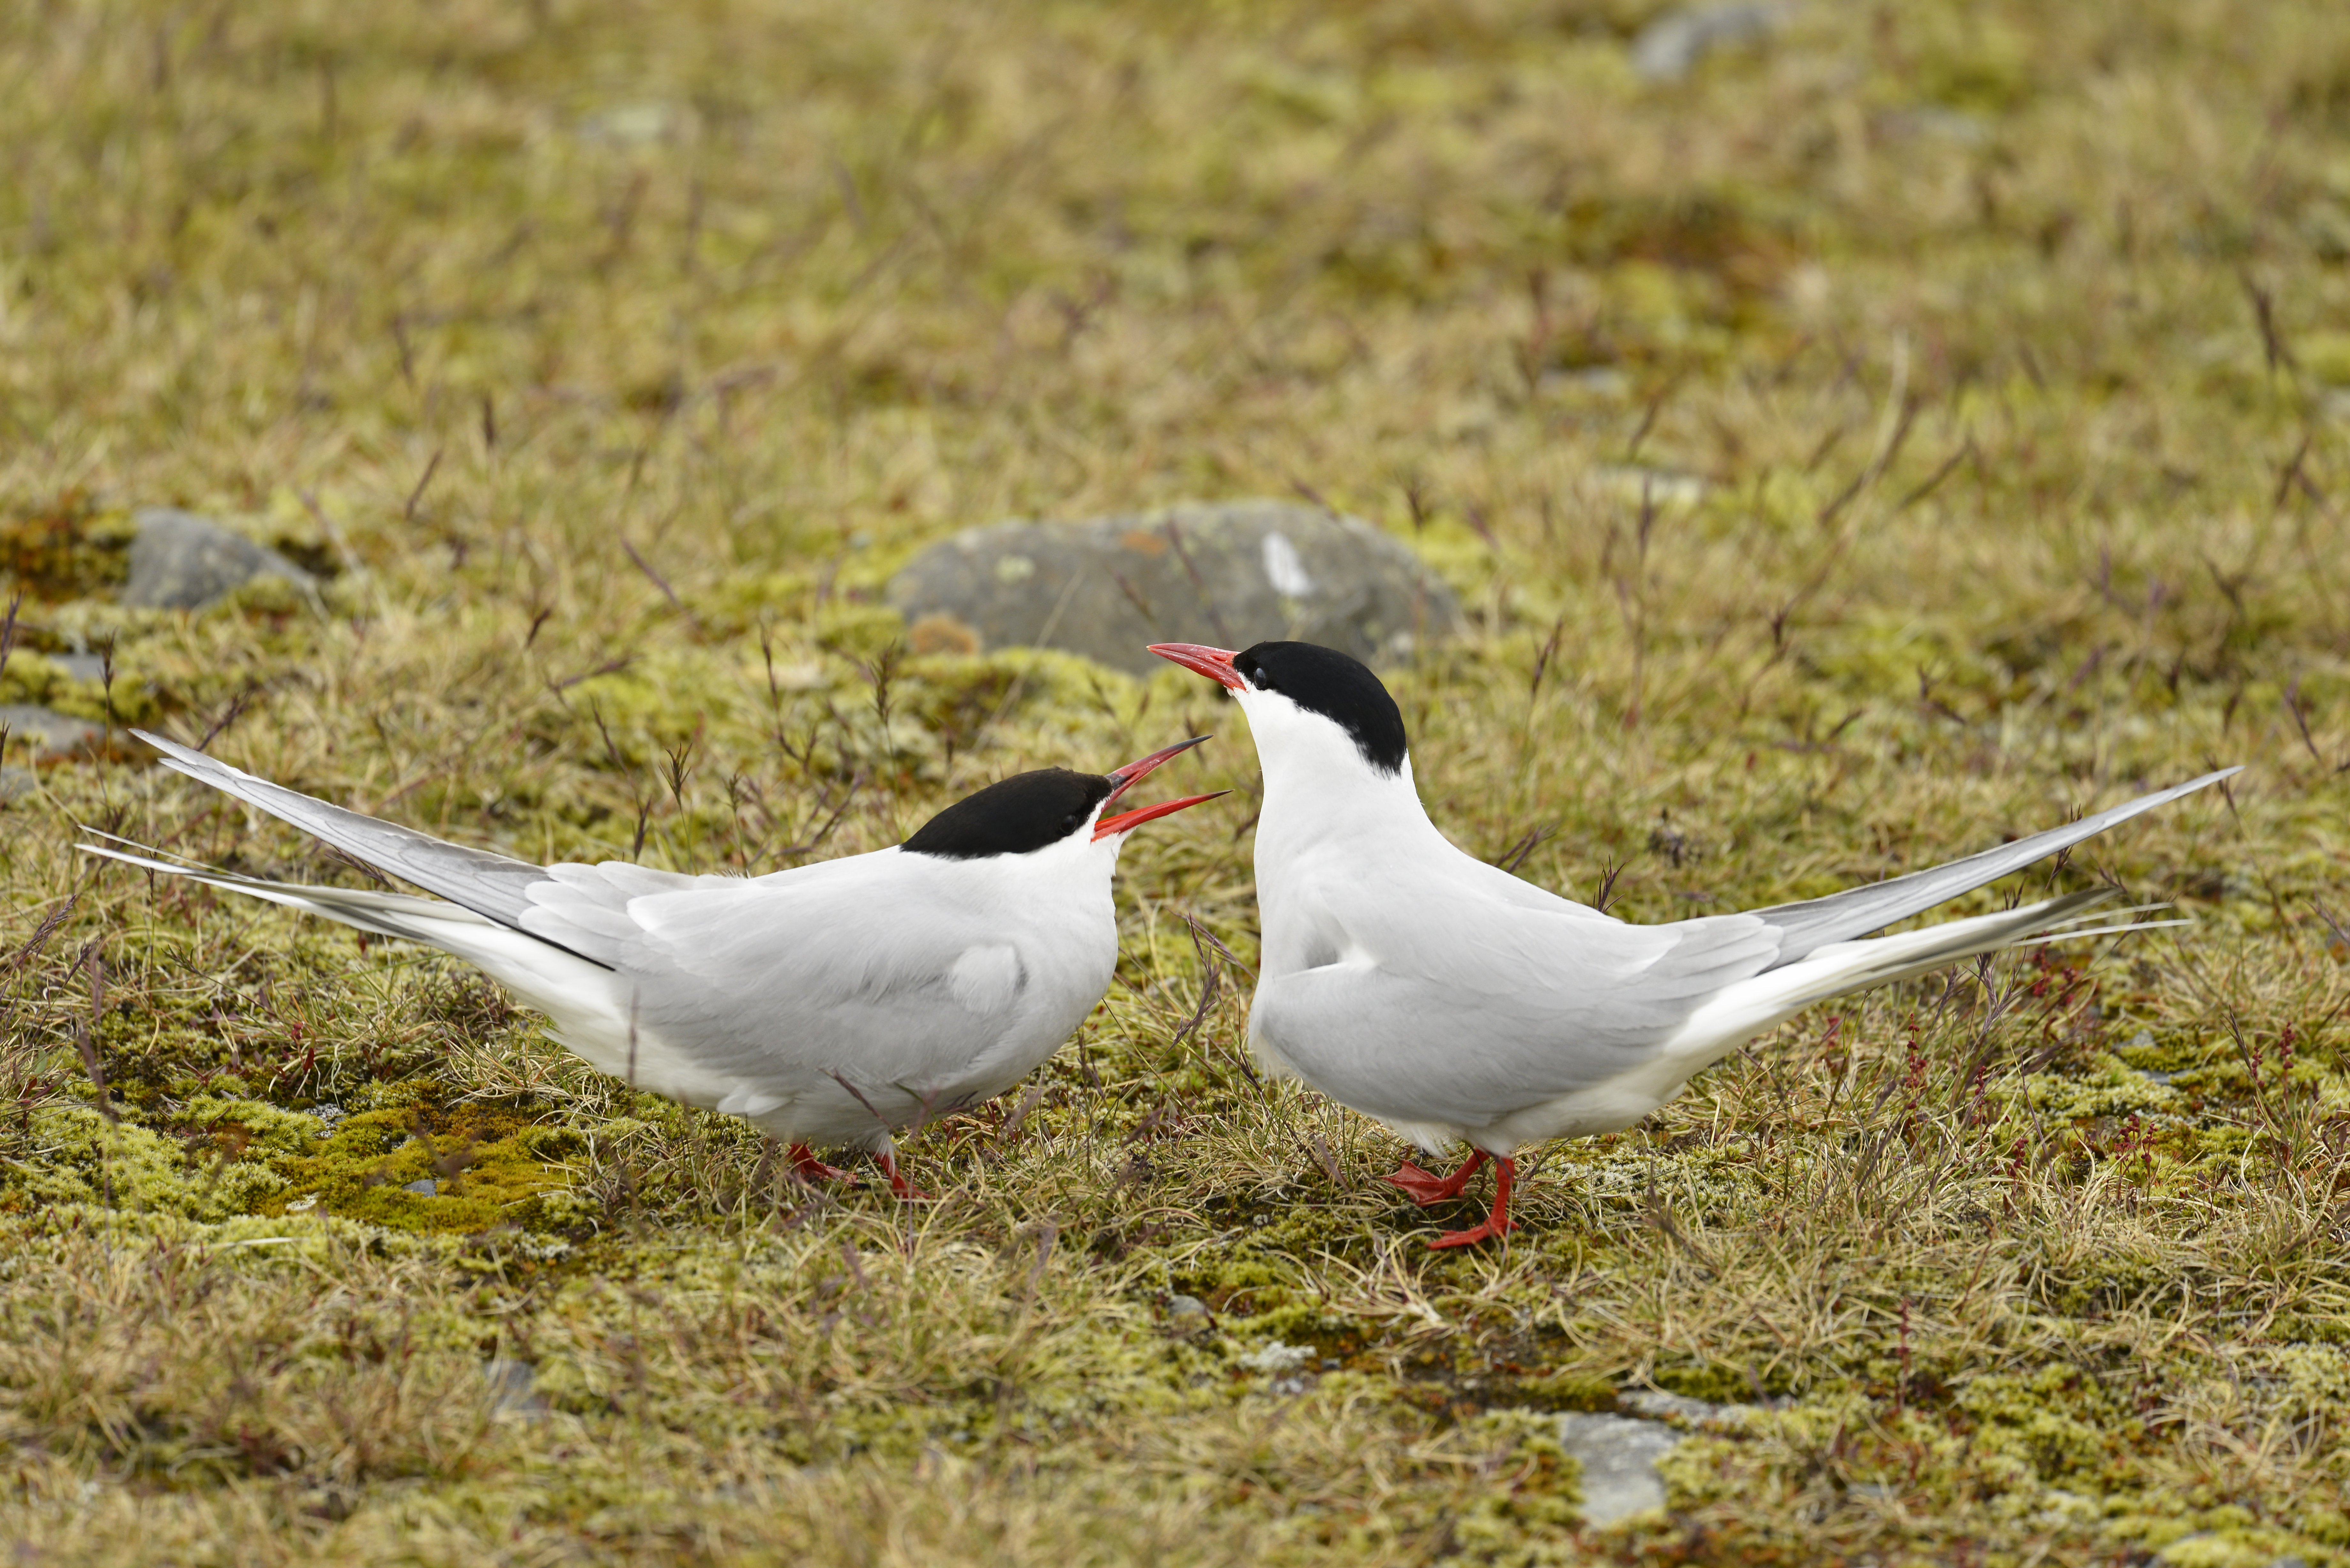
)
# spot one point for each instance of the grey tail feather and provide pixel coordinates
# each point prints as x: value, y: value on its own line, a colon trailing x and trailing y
x: 1857, y: 911
x: 402, y: 916
x: 2032, y: 922
x: 489, y: 885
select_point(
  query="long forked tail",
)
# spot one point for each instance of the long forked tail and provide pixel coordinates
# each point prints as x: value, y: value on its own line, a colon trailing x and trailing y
x: 1807, y: 927
x: 1744, y: 1009
x: 401, y: 915
x: 491, y: 884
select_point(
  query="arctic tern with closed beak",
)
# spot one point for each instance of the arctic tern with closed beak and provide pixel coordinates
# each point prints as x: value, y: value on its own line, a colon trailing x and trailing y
x: 828, y: 1004
x: 1455, y: 1003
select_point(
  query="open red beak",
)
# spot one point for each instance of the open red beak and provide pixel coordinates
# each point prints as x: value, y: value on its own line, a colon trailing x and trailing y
x: 1126, y: 821
x: 1126, y: 777
x: 1215, y: 663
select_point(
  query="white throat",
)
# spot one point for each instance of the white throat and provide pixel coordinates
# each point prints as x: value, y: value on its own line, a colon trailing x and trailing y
x: 1320, y: 788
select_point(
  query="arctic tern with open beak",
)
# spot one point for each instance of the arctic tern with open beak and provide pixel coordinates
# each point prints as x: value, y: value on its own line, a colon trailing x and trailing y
x: 826, y: 1004
x: 1455, y: 1003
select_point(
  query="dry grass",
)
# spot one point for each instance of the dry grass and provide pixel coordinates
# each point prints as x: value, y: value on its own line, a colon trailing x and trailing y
x: 2006, y: 340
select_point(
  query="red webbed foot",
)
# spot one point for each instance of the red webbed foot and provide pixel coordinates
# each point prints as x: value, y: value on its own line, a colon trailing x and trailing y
x: 1424, y: 1187
x: 1495, y: 1223
x: 906, y: 1191
x: 809, y: 1169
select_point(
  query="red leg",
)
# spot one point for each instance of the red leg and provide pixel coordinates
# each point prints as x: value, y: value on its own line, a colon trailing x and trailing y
x: 1497, y: 1222
x: 906, y: 1191
x: 809, y: 1169
x: 1424, y: 1189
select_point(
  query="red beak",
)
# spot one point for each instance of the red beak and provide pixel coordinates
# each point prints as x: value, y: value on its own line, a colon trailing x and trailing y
x: 1215, y: 663
x: 1126, y: 821
x: 1126, y: 778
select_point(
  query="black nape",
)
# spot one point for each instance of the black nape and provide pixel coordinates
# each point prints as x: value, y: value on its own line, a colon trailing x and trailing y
x: 1327, y: 682
x: 1024, y: 813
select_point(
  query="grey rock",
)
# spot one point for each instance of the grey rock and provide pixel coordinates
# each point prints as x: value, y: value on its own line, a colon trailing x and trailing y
x: 89, y: 667
x: 428, y: 1188
x: 49, y: 734
x: 1619, y: 1458
x: 1229, y: 575
x: 15, y: 783
x: 1669, y: 48
x: 1186, y: 1306
x: 182, y: 561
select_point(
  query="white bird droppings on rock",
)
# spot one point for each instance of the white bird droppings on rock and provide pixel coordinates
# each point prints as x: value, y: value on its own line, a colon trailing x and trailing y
x: 1283, y: 569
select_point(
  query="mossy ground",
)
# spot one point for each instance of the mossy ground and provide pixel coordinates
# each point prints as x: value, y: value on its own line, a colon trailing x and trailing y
x: 1906, y: 433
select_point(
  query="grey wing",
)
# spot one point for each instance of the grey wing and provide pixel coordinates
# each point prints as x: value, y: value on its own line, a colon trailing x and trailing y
x: 798, y: 972
x: 1469, y: 1031
x: 487, y: 884
x: 1858, y: 911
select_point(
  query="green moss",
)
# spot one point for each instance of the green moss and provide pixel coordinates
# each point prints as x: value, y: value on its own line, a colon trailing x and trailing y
x: 1522, y: 1514
x: 489, y: 1167
x: 78, y: 1156
x: 2055, y: 1423
x: 68, y: 550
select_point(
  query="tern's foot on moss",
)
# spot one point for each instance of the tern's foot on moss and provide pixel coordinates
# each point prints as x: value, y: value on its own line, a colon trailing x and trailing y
x: 809, y: 1169
x: 1425, y: 1187
x: 906, y: 1191
x: 1483, y: 1231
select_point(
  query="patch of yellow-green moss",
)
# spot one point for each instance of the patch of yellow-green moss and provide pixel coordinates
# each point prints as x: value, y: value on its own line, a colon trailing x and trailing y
x: 75, y: 1155
x: 419, y: 1167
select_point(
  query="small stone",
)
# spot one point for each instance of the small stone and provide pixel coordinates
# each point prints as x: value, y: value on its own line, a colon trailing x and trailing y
x: 1277, y: 1358
x: 182, y: 561
x: 1229, y: 575
x: 1186, y: 1306
x: 89, y: 667
x: 428, y: 1188
x: 1619, y: 1459
x: 48, y: 734
x: 1669, y: 48
x: 511, y: 1393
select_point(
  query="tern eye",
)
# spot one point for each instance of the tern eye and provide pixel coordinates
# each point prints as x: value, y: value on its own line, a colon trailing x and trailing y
x: 1069, y: 823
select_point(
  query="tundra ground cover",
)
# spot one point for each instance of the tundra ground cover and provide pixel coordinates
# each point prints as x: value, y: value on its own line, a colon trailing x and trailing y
x: 1905, y: 432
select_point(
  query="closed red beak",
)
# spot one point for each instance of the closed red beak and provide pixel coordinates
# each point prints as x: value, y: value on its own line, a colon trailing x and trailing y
x: 1215, y: 663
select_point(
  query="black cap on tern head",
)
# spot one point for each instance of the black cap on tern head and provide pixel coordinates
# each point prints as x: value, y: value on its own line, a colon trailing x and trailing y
x: 1013, y: 816
x: 1326, y: 681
